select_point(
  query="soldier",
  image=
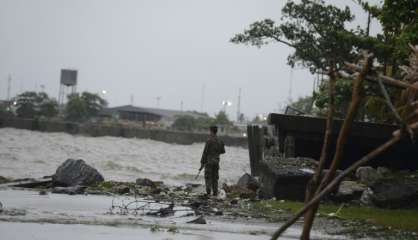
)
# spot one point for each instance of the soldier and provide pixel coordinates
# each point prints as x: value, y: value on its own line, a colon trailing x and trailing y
x: 210, y: 160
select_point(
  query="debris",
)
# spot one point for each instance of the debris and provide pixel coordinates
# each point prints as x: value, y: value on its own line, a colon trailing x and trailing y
x: 69, y: 190
x: 199, y: 220
x: 173, y: 229
x: 155, y: 228
x: 163, y: 212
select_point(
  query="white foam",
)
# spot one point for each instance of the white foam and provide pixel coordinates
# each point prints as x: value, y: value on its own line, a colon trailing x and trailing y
x: 26, y: 153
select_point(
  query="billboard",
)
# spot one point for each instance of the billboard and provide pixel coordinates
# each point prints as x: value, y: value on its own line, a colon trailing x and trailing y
x: 68, y: 77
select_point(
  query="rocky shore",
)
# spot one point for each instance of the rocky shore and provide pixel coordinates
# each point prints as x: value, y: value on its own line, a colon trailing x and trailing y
x: 239, y: 202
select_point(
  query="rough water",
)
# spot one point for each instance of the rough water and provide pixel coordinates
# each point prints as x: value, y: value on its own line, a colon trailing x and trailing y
x: 26, y: 153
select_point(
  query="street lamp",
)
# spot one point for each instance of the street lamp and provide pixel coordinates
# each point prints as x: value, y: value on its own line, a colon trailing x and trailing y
x: 226, y: 103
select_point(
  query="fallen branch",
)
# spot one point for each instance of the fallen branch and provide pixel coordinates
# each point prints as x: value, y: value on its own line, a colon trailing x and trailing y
x: 341, y: 142
x: 386, y: 80
x: 314, y: 183
x: 397, y: 136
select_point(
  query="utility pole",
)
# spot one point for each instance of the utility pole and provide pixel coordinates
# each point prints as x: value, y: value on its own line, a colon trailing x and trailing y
x: 239, y: 106
x: 158, y: 101
x: 9, y: 84
x: 132, y: 99
x: 202, y: 102
x: 181, y: 105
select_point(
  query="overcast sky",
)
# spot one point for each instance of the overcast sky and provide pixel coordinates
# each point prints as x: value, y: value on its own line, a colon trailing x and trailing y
x: 150, y: 48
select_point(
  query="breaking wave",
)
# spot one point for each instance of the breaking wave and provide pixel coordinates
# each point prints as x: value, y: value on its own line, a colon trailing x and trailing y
x: 34, y: 154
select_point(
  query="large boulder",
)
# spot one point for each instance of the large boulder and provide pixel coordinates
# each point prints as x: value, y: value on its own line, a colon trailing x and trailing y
x: 248, y: 181
x: 76, y: 172
x: 4, y: 180
x: 393, y: 192
x: 350, y: 190
x: 367, y: 175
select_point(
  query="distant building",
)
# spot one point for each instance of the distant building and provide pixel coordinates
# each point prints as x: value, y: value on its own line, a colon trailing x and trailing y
x: 133, y: 113
x: 4, y: 104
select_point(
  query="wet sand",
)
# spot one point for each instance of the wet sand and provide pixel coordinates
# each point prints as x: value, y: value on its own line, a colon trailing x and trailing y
x: 86, y: 217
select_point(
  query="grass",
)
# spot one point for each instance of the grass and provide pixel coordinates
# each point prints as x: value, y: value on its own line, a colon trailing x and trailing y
x: 404, y: 219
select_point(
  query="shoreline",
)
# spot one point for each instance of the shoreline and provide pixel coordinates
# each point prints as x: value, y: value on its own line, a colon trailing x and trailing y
x: 117, y: 130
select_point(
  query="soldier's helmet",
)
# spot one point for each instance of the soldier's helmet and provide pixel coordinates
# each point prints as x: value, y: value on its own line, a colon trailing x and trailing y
x: 213, y: 129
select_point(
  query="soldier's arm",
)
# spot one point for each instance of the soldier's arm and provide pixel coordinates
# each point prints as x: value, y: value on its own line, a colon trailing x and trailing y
x: 203, y: 160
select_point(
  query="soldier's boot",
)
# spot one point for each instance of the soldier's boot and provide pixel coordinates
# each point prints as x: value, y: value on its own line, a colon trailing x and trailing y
x: 207, y: 184
x: 215, y: 187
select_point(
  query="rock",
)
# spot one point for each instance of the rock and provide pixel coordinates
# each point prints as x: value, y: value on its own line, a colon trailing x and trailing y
x: 248, y: 181
x: 199, y: 220
x: 366, y: 197
x: 398, y: 192
x: 367, y: 175
x: 43, y: 192
x: 384, y: 172
x: 145, y: 182
x: 4, y: 180
x: 156, y: 191
x: 69, y: 190
x: 350, y: 190
x: 120, y: 189
x: 238, y: 191
x: 219, y: 213
x: 76, y: 172
x: 285, y: 181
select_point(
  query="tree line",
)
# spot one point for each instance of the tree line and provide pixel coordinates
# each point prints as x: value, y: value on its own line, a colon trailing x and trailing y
x: 35, y: 105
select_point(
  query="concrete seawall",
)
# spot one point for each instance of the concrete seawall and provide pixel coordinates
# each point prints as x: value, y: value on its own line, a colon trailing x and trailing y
x: 116, y: 130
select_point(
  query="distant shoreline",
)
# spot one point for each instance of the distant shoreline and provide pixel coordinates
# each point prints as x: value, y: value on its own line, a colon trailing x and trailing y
x: 116, y: 130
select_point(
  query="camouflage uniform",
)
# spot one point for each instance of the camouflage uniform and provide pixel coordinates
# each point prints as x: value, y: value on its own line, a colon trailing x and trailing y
x: 210, y: 161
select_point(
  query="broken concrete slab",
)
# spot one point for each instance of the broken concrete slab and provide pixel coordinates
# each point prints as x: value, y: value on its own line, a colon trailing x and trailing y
x: 284, y: 181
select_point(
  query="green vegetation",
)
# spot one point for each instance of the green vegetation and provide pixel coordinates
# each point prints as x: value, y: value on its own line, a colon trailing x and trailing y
x: 35, y: 105
x: 189, y: 123
x: 155, y: 228
x: 404, y: 219
x: 318, y: 33
x: 81, y: 107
